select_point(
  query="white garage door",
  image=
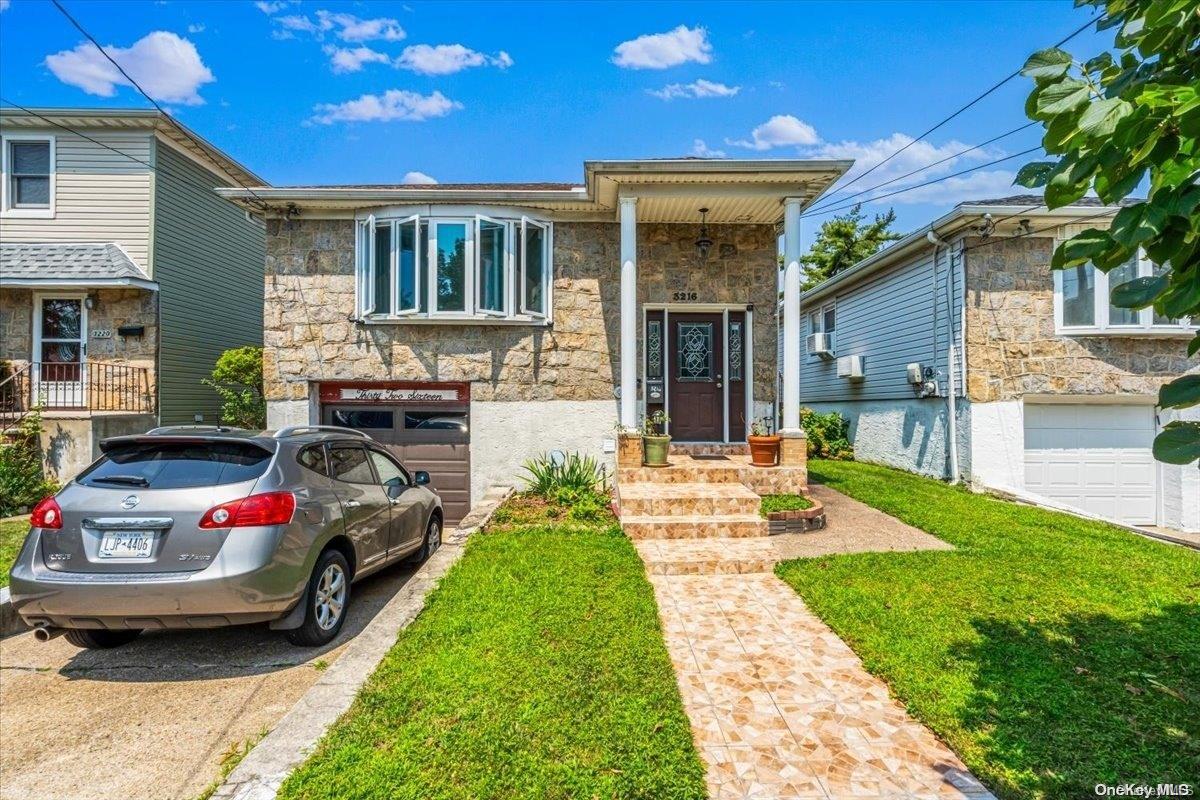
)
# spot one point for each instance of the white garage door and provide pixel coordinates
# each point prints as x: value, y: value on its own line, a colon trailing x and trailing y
x: 1094, y: 457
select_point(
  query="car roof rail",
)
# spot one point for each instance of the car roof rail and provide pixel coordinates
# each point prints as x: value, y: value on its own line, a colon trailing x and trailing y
x: 169, y: 429
x: 297, y: 430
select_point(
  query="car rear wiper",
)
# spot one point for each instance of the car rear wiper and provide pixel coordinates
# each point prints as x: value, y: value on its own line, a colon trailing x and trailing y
x: 126, y: 480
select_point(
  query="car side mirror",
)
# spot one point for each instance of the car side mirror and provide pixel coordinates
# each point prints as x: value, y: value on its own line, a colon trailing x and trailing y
x: 421, y: 477
x: 394, y: 490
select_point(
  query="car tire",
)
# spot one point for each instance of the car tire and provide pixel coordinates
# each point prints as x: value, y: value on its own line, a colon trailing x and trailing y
x: 326, y: 600
x: 100, y: 639
x: 431, y: 542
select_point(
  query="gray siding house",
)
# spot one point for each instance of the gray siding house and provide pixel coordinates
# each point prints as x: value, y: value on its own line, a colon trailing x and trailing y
x: 123, y: 275
x: 1053, y: 390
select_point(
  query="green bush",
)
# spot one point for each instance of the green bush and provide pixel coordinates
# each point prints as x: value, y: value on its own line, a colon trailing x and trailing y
x: 22, y: 479
x: 828, y: 434
x: 238, y: 379
x: 575, y: 471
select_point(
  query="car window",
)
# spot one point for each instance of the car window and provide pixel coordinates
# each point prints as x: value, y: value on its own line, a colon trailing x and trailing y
x: 313, y: 458
x: 349, y: 463
x: 176, y: 465
x: 390, y: 473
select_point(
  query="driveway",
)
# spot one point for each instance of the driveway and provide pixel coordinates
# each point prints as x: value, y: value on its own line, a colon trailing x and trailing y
x: 152, y: 719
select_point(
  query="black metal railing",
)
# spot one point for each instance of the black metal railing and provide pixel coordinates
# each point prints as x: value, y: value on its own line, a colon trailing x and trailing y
x: 85, y: 386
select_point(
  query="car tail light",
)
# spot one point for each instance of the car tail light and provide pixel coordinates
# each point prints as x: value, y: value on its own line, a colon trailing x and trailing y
x: 270, y: 508
x: 46, y: 514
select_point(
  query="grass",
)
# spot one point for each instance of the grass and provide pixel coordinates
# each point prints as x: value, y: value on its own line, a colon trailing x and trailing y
x: 232, y: 756
x: 1051, y: 653
x: 536, y: 670
x: 783, y: 502
x: 12, y: 536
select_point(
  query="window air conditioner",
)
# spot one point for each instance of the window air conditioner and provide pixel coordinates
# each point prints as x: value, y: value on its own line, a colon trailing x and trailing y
x: 820, y: 344
x: 850, y: 367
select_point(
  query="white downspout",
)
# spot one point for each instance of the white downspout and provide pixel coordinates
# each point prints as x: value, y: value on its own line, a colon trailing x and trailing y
x: 951, y: 401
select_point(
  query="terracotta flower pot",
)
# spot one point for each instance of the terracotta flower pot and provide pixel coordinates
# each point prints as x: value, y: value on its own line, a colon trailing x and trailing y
x: 655, y: 450
x: 764, y: 450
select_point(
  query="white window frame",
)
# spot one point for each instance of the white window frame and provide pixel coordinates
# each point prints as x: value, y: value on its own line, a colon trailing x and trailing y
x: 525, y: 222
x: 1145, y: 325
x: 506, y: 278
x: 419, y: 262
x: 819, y: 314
x: 364, y: 257
x: 468, y: 267
x: 7, y: 209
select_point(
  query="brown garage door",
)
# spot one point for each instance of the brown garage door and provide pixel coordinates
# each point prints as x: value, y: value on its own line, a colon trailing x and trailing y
x: 435, y: 439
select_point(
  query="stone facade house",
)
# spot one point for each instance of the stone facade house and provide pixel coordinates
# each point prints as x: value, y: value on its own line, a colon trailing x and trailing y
x: 472, y: 327
x: 123, y: 275
x: 1052, y: 389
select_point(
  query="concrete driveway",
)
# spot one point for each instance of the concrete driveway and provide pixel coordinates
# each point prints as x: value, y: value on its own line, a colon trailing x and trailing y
x: 152, y: 719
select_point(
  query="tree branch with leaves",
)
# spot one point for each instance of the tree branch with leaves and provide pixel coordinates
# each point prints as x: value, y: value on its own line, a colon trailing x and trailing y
x: 844, y: 241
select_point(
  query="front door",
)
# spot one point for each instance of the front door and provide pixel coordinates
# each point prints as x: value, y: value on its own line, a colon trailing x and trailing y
x: 60, y: 339
x: 696, y: 393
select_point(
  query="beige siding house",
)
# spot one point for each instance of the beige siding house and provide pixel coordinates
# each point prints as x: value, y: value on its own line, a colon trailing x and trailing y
x: 123, y: 275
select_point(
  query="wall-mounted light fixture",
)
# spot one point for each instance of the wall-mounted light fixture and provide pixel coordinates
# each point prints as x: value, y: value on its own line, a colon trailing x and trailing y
x: 89, y: 302
x: 704, y: 242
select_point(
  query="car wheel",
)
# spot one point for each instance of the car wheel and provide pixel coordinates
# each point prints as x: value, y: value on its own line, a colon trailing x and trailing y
x: 327, y: 598
x: 431, y: 542
x: 100, y: 639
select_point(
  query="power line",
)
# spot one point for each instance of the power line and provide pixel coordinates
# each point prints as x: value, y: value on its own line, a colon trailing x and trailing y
x: 993, y: 88
x: 1023, y: 234
x: 154, y: 102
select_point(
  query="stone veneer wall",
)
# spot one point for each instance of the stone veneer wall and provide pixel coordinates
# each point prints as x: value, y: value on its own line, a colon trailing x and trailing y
x: 310, y: 295
x: 1012, y: 349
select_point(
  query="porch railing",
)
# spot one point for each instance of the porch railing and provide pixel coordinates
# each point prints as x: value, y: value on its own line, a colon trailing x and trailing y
x: 82, y: 386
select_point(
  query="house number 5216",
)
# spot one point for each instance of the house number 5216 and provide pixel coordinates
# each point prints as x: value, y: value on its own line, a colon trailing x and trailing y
x: 683, y: 296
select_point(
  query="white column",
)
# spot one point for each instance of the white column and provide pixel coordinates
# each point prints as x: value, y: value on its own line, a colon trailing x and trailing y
x: 629, y: 324
x: 791, y: 315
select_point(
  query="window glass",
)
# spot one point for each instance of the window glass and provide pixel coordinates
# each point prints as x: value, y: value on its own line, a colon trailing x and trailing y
x: 382, y: 269
x: 735, y: 350
x: 814, y: 322
x: 830, y: 319
x: 30, y: 171
x: 313, y: 458
x: 491, y: 265
x: 423, y: 300
x: 176, y: 465
x: 451, y: 266
x: 349, y: 463
x: 1122, y: 274
x: 406, y: 254
x: 1079, y: 296
x: 654, y: 349
x: 390, y: 473
x: 61, y: 318
x: 435, y: 420
x: 535, y: 269
x: 363, y: 419
x: 1161, y: 319
x: 695, y: 346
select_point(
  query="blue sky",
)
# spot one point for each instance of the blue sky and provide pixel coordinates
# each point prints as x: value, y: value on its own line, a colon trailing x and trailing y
x: 380, y: 92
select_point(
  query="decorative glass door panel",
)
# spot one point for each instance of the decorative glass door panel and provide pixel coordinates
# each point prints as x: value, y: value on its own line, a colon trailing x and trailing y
x: 62, y: 337
x: 695, y: 358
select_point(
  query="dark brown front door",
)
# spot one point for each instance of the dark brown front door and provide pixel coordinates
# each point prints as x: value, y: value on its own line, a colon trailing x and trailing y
x: 697, y: 396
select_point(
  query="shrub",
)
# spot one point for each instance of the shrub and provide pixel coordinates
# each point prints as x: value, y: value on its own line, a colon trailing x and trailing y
x: 22, y: 479
x: 575, y: 471
x: 828, y: 434
x: 238, y: 379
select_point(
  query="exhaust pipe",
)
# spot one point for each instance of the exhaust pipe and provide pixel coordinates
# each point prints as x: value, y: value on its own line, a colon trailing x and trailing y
x: 44, y: 633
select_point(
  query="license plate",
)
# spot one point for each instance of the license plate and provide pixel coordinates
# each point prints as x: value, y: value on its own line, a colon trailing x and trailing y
x: 126, y: 544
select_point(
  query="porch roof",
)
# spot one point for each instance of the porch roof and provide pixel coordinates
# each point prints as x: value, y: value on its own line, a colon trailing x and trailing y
x: 84, y: 265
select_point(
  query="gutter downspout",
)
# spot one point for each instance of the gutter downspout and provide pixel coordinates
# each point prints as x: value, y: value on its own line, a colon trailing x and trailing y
x: 951, y: 401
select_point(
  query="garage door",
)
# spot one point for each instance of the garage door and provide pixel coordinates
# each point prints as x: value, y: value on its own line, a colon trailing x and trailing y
x: 1094, y: 457
x: 433, y: 439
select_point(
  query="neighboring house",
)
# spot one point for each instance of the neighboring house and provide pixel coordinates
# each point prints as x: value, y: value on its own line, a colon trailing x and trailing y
x: 122, y: 274
x: 472, y: 327
x: 1054, y: 389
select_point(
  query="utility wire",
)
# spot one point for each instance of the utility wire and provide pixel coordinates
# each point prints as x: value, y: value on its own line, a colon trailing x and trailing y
x: 1031, y: 232
x: 154, y: 102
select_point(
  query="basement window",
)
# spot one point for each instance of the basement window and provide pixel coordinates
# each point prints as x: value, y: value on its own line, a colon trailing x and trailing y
x: 1082, y: 307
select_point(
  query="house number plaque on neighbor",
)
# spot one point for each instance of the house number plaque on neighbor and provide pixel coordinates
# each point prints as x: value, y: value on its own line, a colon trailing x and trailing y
x: 105, y: 333
x: 680, y: 297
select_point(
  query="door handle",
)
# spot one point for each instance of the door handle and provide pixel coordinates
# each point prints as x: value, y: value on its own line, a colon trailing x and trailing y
x: 394, y: 501
x: 352, y: 504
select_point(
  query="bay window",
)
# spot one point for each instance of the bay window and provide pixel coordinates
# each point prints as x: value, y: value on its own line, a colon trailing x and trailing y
x: 453, y: 268
x: 1082, y: 305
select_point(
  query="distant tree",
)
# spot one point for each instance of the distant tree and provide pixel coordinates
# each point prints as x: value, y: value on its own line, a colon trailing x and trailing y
x: 238, y: 379
x: 844, y: 241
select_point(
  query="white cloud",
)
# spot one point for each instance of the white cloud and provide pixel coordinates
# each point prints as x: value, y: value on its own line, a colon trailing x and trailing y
x: 300, y: 22
x: 346, y: 27
x: 698, y: 88
x: 446, y: 59
x: 196, y: 27
x: 418, y: 178
x: 392, y: 105
x: 270, y: 6
x: 781, y: 130
x: 702, y: 150
x: 982, y: 185
x: 662, y: 50
x: 916, y: 159
x: 344, y: 59
x: 4, y: 4
x: 168, y: 67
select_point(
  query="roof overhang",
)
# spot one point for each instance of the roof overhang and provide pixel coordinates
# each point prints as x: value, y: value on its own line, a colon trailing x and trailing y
x: 78, y: 283
x: 749, y: 191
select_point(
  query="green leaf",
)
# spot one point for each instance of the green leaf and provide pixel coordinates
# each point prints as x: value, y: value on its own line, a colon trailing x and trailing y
x: 1179, y: 443
x: 1049, y: 63
x: 1139, y: 292
x: 1100, y: 119
x: 1115, y: 184
x: 1081, y: 248
x: 1063, y: 96
x: 1136, y: 223
x: 1035, y: 174
x: 1183, y: 392
x: 1194, y: 346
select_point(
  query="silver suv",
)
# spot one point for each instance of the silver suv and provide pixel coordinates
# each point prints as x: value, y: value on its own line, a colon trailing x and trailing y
x: 197, y: 527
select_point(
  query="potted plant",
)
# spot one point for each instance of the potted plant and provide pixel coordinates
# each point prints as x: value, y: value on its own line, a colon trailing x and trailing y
x: 656, y: 445
x: 764, y: 446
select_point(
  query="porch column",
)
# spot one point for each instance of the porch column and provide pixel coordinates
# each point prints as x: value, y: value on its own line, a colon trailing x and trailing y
x: 791, y: 316
x: 629, y: 323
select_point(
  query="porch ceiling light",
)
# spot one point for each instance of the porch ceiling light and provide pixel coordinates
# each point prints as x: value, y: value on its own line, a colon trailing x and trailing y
x: 703, y: 242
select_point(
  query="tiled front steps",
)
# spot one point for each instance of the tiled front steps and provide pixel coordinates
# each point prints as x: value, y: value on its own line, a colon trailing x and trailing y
x: 686, y: 499
x: 716, y: 556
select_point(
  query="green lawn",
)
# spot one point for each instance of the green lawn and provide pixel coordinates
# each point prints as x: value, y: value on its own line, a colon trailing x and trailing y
x: 12, y: 536
x: 783, y: 502
x: 1051, y: 653
x: 536, y: 670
